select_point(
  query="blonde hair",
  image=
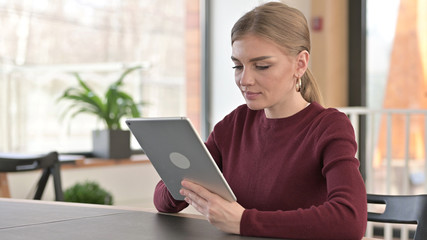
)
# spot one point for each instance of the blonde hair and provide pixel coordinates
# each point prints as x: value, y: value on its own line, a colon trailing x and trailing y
x: 285, y: 26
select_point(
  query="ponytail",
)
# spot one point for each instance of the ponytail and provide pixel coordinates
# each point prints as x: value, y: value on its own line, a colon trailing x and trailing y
x: 310, y: 90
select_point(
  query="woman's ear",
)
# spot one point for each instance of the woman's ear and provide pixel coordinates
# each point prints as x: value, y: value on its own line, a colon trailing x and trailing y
x: 302, y: 62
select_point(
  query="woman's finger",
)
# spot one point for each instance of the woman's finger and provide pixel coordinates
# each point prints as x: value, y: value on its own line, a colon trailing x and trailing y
x: 199, y: 203
x: 201, y: 191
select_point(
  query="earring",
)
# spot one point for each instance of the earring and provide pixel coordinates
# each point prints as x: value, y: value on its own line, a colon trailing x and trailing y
x: 298, y: 85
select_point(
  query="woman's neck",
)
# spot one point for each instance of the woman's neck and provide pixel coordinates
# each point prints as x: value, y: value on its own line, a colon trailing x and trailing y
x: 286, y: 110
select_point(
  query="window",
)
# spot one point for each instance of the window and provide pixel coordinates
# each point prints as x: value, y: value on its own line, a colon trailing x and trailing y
x: 43, y: 41
x: 381, y: 26
x: 396, y: 76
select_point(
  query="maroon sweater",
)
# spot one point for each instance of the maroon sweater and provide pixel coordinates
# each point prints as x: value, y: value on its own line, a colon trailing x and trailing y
x: 297, y: 177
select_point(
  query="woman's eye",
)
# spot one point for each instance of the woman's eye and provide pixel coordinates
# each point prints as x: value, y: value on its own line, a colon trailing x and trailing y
x: 262, y: 67
x: 237, y: 67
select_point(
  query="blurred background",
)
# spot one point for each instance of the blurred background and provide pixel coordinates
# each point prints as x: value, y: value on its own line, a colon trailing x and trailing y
x: 368, y: 56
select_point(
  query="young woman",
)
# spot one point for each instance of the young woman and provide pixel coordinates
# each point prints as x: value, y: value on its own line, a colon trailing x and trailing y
x: 290, y: 162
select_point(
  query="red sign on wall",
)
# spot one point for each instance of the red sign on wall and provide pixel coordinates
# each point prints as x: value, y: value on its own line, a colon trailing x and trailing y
x: 317, y: 24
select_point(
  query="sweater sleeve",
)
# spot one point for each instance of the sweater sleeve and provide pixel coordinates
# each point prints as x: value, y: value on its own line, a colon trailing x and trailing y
x: 343, y: 215
x: 164, y: 202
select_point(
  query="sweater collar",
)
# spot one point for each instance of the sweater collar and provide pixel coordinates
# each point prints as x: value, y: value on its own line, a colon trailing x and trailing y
x: 301, y: 117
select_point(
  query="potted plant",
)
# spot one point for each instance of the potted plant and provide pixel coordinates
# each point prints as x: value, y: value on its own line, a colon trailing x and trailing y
x: 112, y: 142
x: 88, y: 192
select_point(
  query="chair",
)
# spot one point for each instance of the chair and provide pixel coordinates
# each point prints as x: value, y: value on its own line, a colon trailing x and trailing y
x: 405, y: 209
x: 49, y: 163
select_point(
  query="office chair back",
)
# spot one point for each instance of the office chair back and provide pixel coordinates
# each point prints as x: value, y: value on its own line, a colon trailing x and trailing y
x: 49, y: 163
x: 405, y: 209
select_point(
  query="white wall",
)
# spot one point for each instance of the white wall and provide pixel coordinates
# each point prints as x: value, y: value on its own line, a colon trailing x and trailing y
x: 225, y: 96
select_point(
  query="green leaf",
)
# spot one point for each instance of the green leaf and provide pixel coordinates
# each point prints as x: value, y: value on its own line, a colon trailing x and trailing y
x: 115, y: 105
x: 124, y: 74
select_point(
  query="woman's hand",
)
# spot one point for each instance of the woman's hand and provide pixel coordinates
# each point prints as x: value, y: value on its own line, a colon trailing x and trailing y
x: 221, y: 213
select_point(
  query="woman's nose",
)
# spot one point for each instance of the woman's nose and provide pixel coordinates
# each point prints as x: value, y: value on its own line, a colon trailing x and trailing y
x: 246, y: 78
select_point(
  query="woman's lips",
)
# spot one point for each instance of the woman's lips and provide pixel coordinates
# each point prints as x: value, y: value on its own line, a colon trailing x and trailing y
x: 251, y: 95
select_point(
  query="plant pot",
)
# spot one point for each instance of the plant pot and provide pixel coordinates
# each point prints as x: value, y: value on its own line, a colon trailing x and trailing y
x: 111, y: 144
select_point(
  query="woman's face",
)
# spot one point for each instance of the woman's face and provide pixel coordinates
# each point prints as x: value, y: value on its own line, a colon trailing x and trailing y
x: 265, y: 74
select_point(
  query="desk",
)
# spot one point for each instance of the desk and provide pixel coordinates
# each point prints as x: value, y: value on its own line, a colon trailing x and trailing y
x: 30, y: 219
x: 77, y: 161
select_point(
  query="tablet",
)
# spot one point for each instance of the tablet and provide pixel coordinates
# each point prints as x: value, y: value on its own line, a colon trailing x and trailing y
x: 177, y: 152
